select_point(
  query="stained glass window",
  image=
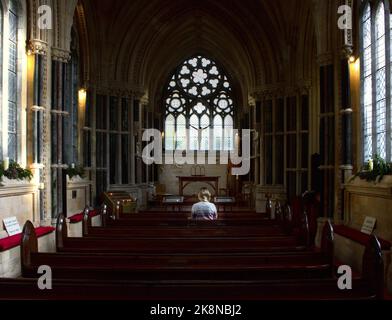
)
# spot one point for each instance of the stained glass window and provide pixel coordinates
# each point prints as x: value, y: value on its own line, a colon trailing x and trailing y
x: 197, y: 99
x: 375, y: 93
x: 70, y: 131
x: 380, y: 81
x: 12, y: 81
x: 1, y: 67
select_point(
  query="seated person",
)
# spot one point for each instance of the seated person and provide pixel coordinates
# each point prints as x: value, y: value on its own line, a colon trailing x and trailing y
x: 204, y: 210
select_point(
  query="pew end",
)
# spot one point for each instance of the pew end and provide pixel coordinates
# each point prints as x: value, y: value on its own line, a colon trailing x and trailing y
x: 278, y: 212
x: 86, y: 222
x: 327, y: 241
x: 119, y: 211
x: 287, y: 219
x: 104, y: 215
x: 373, y: 267
x: 61, y: 231
x: 268, y: 205
x: 28, y: 246
x: 304, y: 234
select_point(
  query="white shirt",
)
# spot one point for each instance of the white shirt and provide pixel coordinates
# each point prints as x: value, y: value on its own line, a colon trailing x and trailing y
x: 204, y: 211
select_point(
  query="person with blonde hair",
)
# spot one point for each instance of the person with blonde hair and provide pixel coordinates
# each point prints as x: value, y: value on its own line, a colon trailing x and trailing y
x: 204, y: 210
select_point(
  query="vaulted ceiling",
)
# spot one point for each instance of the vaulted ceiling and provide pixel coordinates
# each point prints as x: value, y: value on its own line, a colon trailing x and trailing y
x: 258, y: 42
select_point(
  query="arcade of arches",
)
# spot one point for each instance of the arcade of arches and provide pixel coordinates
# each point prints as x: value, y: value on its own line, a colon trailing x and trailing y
x: 80, y: 95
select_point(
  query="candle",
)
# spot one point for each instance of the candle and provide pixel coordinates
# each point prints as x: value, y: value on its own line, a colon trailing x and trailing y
x: 6, y: 164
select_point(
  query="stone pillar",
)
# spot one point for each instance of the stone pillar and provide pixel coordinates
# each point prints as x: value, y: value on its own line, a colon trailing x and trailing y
x: 93, y: 103
x: 132, y: 142
x: 138, y: 162
x: 58, y: 113
x: 346, y: 114
x: 39, y: 123
x: 119, y: 141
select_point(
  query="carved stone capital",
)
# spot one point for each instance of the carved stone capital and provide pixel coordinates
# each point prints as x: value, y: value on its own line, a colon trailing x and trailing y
x: 347, y: 51
x: 119, y: 89
x: 61, y: 55
x: 346, y: 111
x: 252, y: 101
x: 325, y: 58
x: 271, y: 92
x: 38, y: 109
x: 37, y: 47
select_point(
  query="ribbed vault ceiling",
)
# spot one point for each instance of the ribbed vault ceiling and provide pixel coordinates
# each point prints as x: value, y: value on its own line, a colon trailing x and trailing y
x: 140, y: 42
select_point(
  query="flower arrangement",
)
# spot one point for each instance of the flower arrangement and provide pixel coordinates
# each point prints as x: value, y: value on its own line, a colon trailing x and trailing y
x: 14, y: 171
x: 74, y: 171
x: 375, y: 170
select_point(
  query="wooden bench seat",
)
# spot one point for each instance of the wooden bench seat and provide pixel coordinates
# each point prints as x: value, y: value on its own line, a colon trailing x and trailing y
x: 14, y: 241
x: 179, y: 267
x: 184, y: 221
x: 359, y: 237
x: 175, y: 266
x: 72, y: 289
x: 248, y: 256
x: 177, y: 244
x: 155, y: 232
x: 201, y: 268
x: 79, y: 217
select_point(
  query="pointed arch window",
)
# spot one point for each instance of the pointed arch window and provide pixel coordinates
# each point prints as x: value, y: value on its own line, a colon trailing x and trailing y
x: 1, y: 71
x: 13, y: 80
x: 376, y: 79
x: 199, y: 107
x: 72, y: 85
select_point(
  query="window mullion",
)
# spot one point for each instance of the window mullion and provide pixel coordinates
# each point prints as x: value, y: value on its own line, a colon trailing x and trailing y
x: 388, y: 54
x: 374, y: 82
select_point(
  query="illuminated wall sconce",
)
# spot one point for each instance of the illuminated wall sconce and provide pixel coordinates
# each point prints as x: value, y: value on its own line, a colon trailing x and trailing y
x: 354, y: 63
x: 82, y: 97
x: 352, y: 59
x: 29, y: 49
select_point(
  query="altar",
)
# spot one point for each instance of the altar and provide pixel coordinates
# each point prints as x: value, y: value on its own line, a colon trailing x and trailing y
x: 211, y: 181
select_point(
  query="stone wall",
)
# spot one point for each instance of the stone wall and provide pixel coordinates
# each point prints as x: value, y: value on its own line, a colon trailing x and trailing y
x: 364, y: 199
x: 18, y: 199
x: 371, y: 199
x: 78, y: 195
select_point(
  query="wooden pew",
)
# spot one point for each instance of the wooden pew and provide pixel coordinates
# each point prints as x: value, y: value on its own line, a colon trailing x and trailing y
x: 113, y: 243
x: 68, y: 289
x: 200, y: 229
x: 369, y: 286
x: 185, y: 232
x: 159, y: 220
x: 178, y: 267
x: 175, y: 217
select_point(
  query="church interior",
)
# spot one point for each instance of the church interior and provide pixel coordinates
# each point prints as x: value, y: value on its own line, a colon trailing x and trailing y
x: 114, y: 114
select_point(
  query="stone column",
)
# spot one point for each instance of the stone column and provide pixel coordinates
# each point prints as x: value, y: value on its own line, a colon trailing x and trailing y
x: 93, y: 104
x: 137, y: 119
x: 132, y: 142
x: 38, y: 119
x: 58, y: 113
x: 346, y: 114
